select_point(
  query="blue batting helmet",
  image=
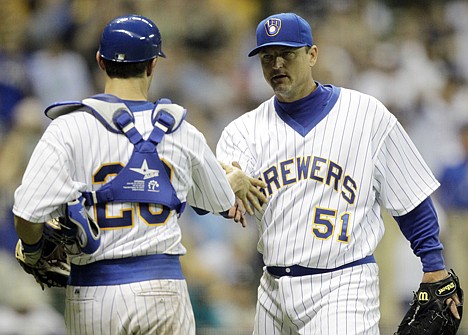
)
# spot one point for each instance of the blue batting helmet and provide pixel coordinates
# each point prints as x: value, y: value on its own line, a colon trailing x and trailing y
x: 129, y: 39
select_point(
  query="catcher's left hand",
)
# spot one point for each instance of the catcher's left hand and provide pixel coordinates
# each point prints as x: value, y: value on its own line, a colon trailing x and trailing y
x: 48, y: 265
x: 432, y: 311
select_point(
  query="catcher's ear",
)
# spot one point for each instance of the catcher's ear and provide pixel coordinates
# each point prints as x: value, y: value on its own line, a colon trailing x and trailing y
x: 100, y: 62
x: 151, y: 65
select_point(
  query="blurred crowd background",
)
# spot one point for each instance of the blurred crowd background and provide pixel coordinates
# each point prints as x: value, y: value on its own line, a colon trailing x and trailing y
x: 410, y: 54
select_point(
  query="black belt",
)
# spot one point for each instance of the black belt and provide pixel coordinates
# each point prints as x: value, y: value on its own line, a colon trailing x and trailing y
x: 297, y: 270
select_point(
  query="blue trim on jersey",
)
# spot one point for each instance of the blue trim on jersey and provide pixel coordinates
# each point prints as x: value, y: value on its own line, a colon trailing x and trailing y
x: 304, y: 114
x: 298, y: 271
x: 107, y: 98
x: 421, y: 228
x: 126, y: 270
x: 138, y: 106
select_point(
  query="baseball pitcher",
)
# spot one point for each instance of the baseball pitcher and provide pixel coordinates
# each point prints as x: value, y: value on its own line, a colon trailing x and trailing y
x: 331, y: 158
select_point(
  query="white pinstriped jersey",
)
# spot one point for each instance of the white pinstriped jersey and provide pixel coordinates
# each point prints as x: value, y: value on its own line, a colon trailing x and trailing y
x: 77, y: 153
x: 326, y: 188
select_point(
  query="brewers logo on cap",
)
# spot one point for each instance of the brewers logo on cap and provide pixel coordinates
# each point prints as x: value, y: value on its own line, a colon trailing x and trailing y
x: 286, y: 29
x: 272, y: 26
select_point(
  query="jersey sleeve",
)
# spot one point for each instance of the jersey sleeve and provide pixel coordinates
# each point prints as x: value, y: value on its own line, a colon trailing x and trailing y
x: 211, y: 190
x: 403, y: 180
x: 47, y: 183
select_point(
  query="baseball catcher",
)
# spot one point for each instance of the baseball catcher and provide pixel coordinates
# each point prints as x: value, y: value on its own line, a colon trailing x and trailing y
x: 47, y: 260
x: 430, y: 312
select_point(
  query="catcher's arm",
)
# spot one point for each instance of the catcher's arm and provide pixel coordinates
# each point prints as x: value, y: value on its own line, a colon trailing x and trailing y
x: 29, y: 232
x: 39, y: 257
x: 433, y: 277
x: 237, y: 212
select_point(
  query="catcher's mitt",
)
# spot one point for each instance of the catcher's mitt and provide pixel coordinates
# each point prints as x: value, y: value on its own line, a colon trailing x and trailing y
x: 52, y: 268
x: 429, y: 313
x: 73, y: 234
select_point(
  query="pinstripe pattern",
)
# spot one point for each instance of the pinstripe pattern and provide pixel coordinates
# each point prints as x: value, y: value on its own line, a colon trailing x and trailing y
x: 67, y: 158
x: 151, y: 307
x: 326, y: 187
x: 333, y: 305
x: 53, y: 178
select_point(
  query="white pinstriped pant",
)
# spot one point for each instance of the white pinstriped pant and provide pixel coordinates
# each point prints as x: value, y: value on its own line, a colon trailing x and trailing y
x: 159, y: 307
x: 342, y: 302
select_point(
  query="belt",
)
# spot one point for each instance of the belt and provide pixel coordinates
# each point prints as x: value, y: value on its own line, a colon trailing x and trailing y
x: 126, y: 270
x: 297, y: 270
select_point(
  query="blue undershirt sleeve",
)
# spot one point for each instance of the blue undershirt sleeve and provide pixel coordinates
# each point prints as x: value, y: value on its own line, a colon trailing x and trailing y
x: 200, y: 211
x: 421, y: 229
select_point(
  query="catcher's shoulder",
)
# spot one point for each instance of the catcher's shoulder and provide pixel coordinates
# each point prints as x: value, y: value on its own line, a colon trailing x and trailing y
x: 187, y: 128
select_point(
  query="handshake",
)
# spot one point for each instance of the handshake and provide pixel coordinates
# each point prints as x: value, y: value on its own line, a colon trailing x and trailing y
x: 246, y: 190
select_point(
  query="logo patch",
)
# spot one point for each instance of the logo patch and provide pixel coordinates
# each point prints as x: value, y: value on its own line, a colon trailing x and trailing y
x: 447, y: 289
x: 272, y: 26
x: 146, y: 171
x: 423, y: 297
x: 119, y: 57
x: 153, y: 186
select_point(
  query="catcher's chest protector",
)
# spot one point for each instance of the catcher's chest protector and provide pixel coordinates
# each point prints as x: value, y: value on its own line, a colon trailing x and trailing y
x: 144, y: 179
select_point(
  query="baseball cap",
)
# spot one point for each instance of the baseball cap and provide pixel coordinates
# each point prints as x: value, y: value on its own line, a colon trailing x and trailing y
x: 287, y: 29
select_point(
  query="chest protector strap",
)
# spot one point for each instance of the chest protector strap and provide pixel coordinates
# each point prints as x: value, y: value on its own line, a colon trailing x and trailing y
x: 145, y: 178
